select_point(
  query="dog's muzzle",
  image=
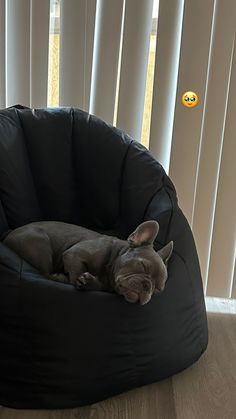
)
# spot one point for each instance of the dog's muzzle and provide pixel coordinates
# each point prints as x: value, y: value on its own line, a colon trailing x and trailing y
x: 134, y: 288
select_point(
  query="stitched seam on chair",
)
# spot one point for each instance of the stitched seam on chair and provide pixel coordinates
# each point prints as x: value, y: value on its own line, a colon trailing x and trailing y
x: 173, y: 205
x: 29, y: 163
x: 200, y: 336
x: 21, y: 268
x: 186, y: 266
x: 121, y: 182
x: 73, y: 162
x: 171, y: 210
x: 171, y: 213
x: 185, y: 263
x: 150, y: 200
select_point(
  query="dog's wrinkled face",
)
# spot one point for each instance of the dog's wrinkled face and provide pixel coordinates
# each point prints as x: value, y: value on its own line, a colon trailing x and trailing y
x: 141, y: 271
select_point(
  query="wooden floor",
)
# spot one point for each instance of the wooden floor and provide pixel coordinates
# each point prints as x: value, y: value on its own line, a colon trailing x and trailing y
x: 207, y: 390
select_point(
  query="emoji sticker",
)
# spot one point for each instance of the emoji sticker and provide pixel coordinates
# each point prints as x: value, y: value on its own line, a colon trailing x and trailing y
x: 190, y: 99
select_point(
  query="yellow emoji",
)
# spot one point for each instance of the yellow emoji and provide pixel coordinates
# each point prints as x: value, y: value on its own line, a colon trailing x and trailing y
x: 189, y: 99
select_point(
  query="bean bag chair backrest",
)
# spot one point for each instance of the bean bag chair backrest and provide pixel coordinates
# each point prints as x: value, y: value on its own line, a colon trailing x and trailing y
x: 64, y: 164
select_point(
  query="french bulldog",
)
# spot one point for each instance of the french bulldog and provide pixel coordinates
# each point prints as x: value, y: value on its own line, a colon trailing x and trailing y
x: 92, y: 261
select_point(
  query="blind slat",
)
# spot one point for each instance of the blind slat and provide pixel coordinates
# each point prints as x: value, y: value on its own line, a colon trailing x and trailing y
x: 222, y: 258
x: 18, y: 52
x: 213, y: 129
x: 105, y: 58
x: 90, y: 32
x: 233, y: 294
x: 39, y: 52
x: 74, y: 51
x: 2, y: 55
x: 134, y: 61
x: 196, y: 35
x: 165, y: 79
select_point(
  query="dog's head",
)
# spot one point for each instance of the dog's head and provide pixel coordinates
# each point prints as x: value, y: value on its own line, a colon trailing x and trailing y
x: 140, y: 271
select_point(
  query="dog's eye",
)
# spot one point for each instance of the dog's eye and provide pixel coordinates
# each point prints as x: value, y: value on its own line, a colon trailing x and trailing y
x: 144, y: 266
x: 146, y: 286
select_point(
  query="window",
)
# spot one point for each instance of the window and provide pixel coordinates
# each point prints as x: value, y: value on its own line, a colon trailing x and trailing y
x: 54, y: 54
x: 54, y: 59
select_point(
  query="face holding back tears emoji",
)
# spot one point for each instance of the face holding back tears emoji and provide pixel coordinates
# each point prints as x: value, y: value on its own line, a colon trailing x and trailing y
x: 189, y: 99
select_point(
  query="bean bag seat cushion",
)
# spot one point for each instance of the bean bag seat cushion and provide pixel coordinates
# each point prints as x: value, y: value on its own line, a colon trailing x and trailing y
x: 60, y: 347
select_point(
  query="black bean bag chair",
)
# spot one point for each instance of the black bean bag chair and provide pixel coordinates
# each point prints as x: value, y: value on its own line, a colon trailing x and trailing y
x: 60, y: 347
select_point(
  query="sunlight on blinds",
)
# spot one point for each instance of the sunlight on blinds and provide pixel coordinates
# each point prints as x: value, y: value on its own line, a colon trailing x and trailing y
x: 39, y: 52
x: 54, y: 54
x: 2, y: 55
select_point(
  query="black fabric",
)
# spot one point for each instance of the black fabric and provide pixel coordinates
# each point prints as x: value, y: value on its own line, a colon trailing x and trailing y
x: 3, y: 221
x: 17, y: 190
x: 60, y: 347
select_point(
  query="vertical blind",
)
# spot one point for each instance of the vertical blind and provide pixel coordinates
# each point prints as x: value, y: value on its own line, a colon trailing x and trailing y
x: 2, y: 55
x: 76, y: 50
x: 104, y: 50
x: 106, y: 58
x: 18, y: 51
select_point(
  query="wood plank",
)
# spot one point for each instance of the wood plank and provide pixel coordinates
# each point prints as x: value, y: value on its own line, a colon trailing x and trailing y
x: 153, y: 401
x: 207, y: 389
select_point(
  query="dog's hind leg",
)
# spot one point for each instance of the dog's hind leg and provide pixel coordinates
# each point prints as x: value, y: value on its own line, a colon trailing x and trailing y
x: 59, y: 277
x: 34, y: 246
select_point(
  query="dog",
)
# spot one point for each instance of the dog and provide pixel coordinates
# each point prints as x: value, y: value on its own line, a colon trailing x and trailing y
x: 91, y: 261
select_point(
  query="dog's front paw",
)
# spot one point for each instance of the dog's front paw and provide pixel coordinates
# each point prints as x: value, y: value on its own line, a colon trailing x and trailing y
x: 85, y: 281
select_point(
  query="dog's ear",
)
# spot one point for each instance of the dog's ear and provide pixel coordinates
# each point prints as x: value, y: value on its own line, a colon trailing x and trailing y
x: 145, y: 233
x: 166, y: 252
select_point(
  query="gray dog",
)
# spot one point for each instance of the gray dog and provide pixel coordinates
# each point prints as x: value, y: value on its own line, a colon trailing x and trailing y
x: 92, y: 261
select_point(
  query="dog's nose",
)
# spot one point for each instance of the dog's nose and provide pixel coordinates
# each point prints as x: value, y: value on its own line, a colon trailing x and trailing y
x: 146, y: 285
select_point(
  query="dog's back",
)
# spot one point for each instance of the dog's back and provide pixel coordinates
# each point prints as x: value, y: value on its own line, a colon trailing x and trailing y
x: 43, y: 243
